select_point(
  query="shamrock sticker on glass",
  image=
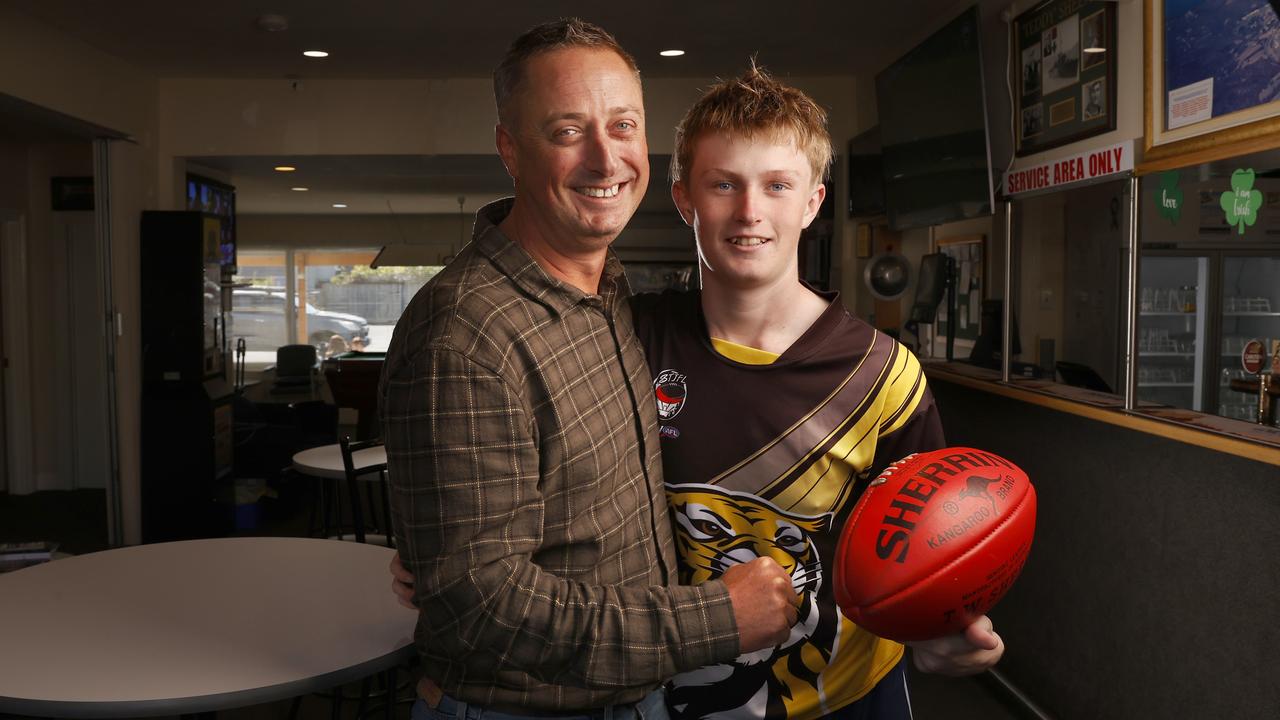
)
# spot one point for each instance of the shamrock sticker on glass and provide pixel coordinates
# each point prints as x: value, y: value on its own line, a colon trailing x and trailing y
x: 1241, y: 202
x: 1169, y: 200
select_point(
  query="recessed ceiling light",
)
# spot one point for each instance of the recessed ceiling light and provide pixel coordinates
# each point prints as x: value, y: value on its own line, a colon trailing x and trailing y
x: 299, y: 189
x: 271, y: 22
x: 339, y: 205
x: 285, y: 168
x: 671, y: 53
x: 1095, y: 50
x: 315, y: 53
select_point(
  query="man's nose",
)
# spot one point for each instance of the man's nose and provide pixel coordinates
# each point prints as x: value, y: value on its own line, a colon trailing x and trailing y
x: 602, y: 155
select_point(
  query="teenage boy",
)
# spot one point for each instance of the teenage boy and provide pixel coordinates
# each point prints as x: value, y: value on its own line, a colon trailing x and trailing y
x: 776, y: 406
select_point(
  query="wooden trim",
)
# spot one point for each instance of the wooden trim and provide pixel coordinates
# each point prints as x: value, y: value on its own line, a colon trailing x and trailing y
x: 1131, y: 420
x: 1263, y: 139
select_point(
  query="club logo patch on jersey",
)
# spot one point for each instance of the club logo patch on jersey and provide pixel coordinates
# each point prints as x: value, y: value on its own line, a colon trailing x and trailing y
x: 671, y: 391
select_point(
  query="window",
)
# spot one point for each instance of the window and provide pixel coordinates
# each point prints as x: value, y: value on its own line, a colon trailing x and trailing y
x: 339, y: 303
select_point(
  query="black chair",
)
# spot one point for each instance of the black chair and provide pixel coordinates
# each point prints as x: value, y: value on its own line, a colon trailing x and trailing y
x: 383, y: 524
x: 1080, y: 375
x: 354, y: 474
x: 295, y: 368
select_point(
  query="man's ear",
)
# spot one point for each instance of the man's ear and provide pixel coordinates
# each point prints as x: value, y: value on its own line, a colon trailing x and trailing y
x: 684, y: 205
x: 815, y: 202
x: 507, y: 150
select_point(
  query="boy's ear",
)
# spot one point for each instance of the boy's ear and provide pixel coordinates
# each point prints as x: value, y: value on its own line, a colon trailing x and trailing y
x: 683, y: 203
x: 815, y: 202
x: 507, y: 150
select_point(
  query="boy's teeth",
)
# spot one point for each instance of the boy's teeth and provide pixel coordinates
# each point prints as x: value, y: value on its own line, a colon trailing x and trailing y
x: 747, y: 241
x: 599, y: 192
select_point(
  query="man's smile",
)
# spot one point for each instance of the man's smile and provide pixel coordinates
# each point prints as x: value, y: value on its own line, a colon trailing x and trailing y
x: 599, y: 192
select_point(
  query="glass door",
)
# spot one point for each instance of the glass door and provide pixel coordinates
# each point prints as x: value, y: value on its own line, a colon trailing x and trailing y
x: 1250, y: 310
x: 1171, y: 330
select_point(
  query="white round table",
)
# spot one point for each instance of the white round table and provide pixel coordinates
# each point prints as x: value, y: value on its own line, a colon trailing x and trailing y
x: 195, y: 626
x: 326, y: 461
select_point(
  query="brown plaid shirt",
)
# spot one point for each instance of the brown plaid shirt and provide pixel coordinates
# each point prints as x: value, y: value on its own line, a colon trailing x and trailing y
x: 527, y: 490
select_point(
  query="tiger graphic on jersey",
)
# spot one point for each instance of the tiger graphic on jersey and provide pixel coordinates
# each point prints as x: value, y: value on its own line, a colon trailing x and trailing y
x: 716, y: 529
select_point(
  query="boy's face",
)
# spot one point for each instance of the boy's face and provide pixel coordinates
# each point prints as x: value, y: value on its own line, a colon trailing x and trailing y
x: 747, y: 201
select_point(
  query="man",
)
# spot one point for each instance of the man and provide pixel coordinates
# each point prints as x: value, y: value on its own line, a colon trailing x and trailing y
x: 522, y: 444
x: 1093, y: 100
x: 777, y: 407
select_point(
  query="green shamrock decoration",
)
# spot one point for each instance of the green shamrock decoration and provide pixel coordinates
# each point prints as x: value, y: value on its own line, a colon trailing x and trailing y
x: 1241, y: 202
x: 1169, y: 200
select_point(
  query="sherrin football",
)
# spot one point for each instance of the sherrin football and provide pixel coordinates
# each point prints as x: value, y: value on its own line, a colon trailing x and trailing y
x: 934, y: 542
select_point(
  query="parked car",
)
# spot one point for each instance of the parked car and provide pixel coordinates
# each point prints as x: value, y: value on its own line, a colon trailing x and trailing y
x: 258, y: 317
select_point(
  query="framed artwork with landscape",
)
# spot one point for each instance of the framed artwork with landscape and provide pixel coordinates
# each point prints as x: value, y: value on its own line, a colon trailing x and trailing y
x: 1212, y: 75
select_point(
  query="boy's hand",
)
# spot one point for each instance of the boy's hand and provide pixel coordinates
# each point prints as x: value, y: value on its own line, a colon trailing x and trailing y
x: 969, y: 652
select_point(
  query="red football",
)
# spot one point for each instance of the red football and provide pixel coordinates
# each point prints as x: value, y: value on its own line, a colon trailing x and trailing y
x: 934, y: 542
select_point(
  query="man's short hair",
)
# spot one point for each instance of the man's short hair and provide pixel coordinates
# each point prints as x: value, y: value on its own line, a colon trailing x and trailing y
x: 756, y: 106
x: 559, y: 34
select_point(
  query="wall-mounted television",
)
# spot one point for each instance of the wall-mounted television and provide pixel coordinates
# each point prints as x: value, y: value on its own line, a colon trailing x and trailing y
x: 866, y: 175
x: 218, y: 199
x: 933, y: 128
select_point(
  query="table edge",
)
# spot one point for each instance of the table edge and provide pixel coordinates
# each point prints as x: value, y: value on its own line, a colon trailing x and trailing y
x: 203, y: 703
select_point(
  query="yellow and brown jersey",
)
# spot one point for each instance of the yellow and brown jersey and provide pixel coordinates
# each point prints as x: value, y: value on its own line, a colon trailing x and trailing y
x: 765, y: 457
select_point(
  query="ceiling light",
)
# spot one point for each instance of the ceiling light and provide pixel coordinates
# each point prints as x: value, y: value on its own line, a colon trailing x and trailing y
x: 1095, y: 50
x: 339, y: 205
x: 299, y: 189
x: 671, y: 53
x: 315, y: 53
x: 271, y: 22
x: 285, y: 168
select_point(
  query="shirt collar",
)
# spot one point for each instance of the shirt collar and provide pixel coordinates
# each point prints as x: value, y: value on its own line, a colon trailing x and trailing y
x: 529, y: 276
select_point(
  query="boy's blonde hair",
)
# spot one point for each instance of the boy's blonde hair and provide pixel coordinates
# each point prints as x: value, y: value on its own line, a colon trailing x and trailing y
x: 759, y: 107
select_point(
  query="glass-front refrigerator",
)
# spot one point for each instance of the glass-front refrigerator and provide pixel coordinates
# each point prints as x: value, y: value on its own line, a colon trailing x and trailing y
x: 1173, y: 330
x: 1249, y: 310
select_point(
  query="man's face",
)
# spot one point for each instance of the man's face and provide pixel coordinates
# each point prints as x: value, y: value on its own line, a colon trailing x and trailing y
x: 747, y: 201
x: 576, y: 147
x: 1095, y: 94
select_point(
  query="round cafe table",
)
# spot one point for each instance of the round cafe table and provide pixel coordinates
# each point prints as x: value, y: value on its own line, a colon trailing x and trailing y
x: 326, y: 461
x: 196, y: 626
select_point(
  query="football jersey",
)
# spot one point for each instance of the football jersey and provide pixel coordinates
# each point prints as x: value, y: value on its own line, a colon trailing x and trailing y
x: 767, y: 460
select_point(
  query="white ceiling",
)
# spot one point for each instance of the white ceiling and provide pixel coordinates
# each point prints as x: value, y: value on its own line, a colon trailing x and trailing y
x: 366, y: 184
x: 427, y: 38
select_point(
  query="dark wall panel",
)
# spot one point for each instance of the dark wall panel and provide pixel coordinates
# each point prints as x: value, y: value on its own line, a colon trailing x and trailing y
x: 1153, y: 585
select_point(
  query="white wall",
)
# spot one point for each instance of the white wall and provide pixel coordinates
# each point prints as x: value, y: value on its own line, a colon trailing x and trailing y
x: 43, y: 66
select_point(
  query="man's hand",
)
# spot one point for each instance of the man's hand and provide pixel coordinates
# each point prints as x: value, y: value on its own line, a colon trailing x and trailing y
x: 764, y: 603
x: 972, y: 651
x: 402, y: 582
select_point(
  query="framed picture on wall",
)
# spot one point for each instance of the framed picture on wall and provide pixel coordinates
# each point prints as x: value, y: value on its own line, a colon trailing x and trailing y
x: 969, y: 254
x: 1210, y: 74
x: 1065, y: 50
